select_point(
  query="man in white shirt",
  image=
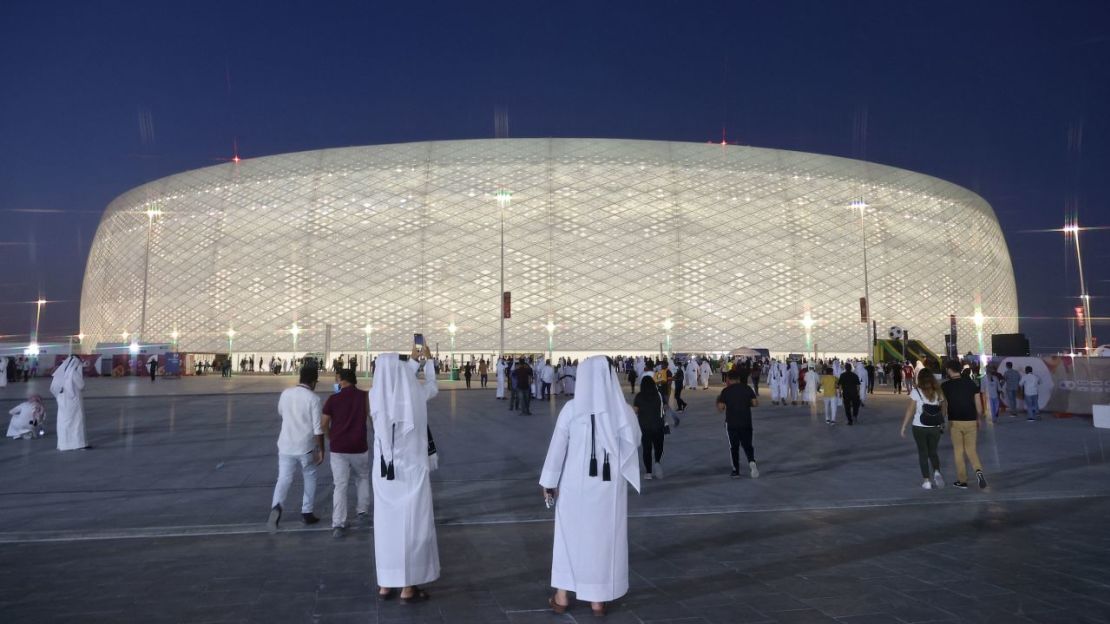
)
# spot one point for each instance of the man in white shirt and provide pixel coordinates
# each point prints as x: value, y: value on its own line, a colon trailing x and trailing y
x: 1029, y: 386
x: 301, y: 442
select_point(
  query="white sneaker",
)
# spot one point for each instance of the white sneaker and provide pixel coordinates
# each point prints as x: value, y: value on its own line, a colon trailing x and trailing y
x: 927, y: 485
x: 647, y: 475
x: 657, y: 471
x: 938, y: 480
x: 755, y: 471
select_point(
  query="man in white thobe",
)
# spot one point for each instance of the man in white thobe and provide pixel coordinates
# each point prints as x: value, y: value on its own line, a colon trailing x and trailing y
x: 704, y: 372
x: 3, y: 371
x: 691, y: 374
x: 67, y: 386
x: 569, y: 378
x: 501, y: 378
x: 773, y: 382
x: 406, y: 554
x: 590, y: 463
x: 812, y: 381
x: 861, y: 372
x: 792, y: 376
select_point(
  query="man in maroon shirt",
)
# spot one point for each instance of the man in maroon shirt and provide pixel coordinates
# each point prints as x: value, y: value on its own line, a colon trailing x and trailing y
x: 344, y: 421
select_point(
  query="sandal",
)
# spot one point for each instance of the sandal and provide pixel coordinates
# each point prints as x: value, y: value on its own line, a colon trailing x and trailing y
x: 557, y: 608
x: 388, y: 595
x: 418, y: 595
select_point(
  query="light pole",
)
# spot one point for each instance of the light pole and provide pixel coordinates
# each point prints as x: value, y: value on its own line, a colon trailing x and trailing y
x: 451, y: 329
x: 34, y: 346
x: 862, y: 206
x: 174, y: 335
x: 296, y: 331
x: 1072, y: 229
x: 808, y: 323
x: 366, y: 355
x: 978, y: 319
x: 550, y: 327
x: 151, y: 213
x: 80, y: 342
x: 230, y: 338
x: 504, y: 198
x: 667, y: 326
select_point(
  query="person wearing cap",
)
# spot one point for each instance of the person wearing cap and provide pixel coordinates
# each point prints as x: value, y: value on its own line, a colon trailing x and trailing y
x: 301, y: 441
x: 406, y: 554
x: 590, y: 462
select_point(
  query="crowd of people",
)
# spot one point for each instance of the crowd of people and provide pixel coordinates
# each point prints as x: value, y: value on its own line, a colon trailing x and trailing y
x: 600, y: 440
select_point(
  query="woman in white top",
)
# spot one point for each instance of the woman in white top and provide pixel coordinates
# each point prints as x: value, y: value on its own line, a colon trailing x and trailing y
x: 928, y: 424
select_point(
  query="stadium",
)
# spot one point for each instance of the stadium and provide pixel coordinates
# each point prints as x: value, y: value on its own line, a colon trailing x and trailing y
x: 607, y: 246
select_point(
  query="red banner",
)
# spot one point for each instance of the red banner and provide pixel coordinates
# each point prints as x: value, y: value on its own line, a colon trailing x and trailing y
x: 863, y: 316
x: 507, y: 304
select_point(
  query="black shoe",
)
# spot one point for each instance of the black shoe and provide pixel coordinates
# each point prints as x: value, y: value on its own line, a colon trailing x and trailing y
x: 960, y: 484
x: 309, y: 518
x: 275, y: 518
x: 981, y: 479
x: 735, y: 474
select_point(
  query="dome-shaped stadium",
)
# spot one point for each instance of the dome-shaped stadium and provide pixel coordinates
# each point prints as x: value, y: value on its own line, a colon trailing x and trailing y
x: 606, y: 243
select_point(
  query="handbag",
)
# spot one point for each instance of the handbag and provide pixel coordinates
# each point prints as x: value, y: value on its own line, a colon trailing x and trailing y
x: 931, y: 415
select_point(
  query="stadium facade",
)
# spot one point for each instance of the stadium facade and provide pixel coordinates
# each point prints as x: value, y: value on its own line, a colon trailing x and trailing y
x: 606, y: 242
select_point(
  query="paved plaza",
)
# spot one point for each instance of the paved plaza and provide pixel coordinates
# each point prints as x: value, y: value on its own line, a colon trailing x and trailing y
x: 164, y: 520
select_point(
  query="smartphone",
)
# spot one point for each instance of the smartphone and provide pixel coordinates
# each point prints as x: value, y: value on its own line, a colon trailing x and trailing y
x: 418, y: 341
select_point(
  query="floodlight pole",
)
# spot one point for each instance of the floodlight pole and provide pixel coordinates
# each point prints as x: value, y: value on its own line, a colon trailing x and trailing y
x: 1088, y: 341
x: 150, y: 214
x: 862, y: 205
x: 504, y: 197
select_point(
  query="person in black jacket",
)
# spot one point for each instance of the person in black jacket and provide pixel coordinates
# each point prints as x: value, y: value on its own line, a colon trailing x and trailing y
x: 648, y: 405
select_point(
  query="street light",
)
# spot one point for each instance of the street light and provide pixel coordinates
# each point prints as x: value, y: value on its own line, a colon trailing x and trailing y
x: 1072, y: 229
x: 366, y: 355
x: 550, y: 327
x: 978, y: 319
x: 230, y: 337
x: 151, y: 212
x: 504, y: 198
x: 667, y: 326
x: 34, y: 346
x: 862, y: 206
x: 451, y: 329
x: 808, y: 323
x: 296, y: 331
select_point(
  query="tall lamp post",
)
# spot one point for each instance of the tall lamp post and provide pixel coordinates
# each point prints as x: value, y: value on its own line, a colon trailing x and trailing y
x: 1072, y: 229
x: 451, y: 329
x: 504, y: 198
x: 174, y: 335
x: 151, y: 213
x: 230, y: 338
x: 667, y: 326
x: 808, y: 323
x: 862, y: 206
x: 295, y: 331
x: 33, y: 348
x: 368, y: 330
x: 550, y: 327
x: 978, y: 319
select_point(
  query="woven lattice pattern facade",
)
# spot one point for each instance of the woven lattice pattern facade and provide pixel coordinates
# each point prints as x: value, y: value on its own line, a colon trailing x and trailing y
x: 605, y: 239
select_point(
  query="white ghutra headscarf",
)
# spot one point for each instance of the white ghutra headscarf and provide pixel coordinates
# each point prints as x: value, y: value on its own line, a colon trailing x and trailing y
x: 599, y: 394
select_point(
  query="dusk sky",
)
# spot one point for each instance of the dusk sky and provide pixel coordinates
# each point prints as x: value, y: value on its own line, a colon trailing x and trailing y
x: 1010, y: 99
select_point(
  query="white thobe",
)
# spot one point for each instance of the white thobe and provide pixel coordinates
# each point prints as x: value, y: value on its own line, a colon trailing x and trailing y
x: 691, y: 374
x: 500, y: 379
x: 792, y: 382
x: 861, y: 372
x: 405, y: 548
x: 569, y: 379
x: 22, y: 415
x: 3, y: 371
x: 705, y: 372
x: 590, y: 555
x: 812, y: 381
x: 70, y: 424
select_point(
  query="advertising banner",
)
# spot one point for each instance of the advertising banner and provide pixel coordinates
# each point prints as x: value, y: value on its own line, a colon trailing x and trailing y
x: 171, y: 364
x: 88, y: 364
x: 1067, y: 385
x: 126, y: 365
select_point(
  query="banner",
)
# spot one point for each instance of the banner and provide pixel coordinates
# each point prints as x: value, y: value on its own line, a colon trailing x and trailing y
x: 170, y: 364
x: 863, y: 316
x: 507, y: 305
x: 1068, y: 385
x: 88, y: 364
